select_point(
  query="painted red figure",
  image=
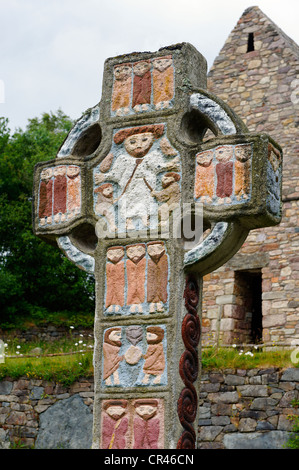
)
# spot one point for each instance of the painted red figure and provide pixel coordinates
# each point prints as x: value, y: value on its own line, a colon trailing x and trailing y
x: 142, y: 84
x: 60, y: 190
x: 224, y: 171
x: 46, y: 194
x: 146, y: 425
x: 157, y: 276
x: 114, y: 425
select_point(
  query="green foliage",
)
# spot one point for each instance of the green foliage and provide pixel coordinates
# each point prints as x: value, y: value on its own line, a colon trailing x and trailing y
x: 230, y: 358
x: 63, y: 369
x: 34, y: 276
x: 293, y: 441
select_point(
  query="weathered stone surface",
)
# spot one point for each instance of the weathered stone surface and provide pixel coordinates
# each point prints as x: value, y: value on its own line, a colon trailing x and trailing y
x: 5, y: 387
x: 255, y: 440
x: 209, y: 433
x: 234, y: 380
x: 36, y: 393
x: 225, y: 397
x: 290, y: 375
x: 262, y: 403
x: 253, y: 390
x: 247, y: 425
x: 4, y: 440
x: 67, y: 424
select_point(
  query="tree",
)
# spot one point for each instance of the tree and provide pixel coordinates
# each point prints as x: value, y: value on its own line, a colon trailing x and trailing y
x: 34, y: 276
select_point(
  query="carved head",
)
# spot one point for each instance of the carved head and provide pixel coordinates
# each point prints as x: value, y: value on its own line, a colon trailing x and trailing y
x: 170, y: 178
x: 136, y: 252
x: 116, y: 409
x: 140, y: 68
x: 122, y: 71
x: 59, y: 170
x: 134, y: 334
x: 105, y: 189
x: 46, y: 174
x: 115, y: 254
x: 224, y: 153
x: 205, y: 158
x: 146, y: 408
x: 156, y: 249
x: 138, y: 145
x: 162, y: 63
x: 113, y: 336
x: 73, y: 171
x: 154, y: 335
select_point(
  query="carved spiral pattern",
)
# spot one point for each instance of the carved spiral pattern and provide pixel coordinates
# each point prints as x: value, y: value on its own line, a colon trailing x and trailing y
x: 188, y: 367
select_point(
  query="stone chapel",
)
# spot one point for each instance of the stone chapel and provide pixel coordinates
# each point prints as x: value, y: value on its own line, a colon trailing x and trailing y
x: 254, y: 298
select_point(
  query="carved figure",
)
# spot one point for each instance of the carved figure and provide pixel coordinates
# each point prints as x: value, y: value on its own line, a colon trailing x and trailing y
x: 170, y: 195
x: 154, y: 356
x: 136, y: 265
x: 46, y: 196
x: 104, y: 205
x: 136, y: 171
x: 115, y: 279
x: 115, y: 424
x: 204, y: 179
x: 224, y: 172
x: 60, y: 193
x: 243, y: 155
x: 157, y: 276
x: 74, y: 191
x: 121, y: 95
x: 142, y: 85
x: 111, y: 347
x: 146, y: 426
x: 163, y: 82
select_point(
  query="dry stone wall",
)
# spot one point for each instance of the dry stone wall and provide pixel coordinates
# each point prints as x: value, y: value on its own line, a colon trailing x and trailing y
x: 242, y: 409
x: 238, y: 409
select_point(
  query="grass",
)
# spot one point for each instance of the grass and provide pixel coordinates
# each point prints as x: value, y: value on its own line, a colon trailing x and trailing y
x: 231, y: 358
x: 66, y: 369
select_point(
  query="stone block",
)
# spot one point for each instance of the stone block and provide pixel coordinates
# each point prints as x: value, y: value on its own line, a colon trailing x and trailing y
x: 290, y: 375
x: 5, y: 387
x: 247, y: 425
x: 221, y: 409
x: 220, y: 420
x: 226, y: 299
x: 75, y: 425
x: 209, y: 433
x: 234, y: 380
x: 273, y: 320
x: 256, y: 440
x: 253, y: 390
x: 263, y: 403
x: 225, y: 397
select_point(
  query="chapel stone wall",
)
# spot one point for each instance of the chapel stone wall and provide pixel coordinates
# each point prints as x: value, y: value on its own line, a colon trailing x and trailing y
x: 256, y: 73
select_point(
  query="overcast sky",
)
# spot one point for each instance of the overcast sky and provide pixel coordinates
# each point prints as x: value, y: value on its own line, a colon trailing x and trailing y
x: 52, y: 51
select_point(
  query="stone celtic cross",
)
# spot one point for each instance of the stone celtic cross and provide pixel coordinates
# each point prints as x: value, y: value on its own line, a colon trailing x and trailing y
x: 158, y: 153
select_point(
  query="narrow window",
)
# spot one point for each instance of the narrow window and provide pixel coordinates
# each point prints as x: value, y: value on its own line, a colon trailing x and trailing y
x: 248, y: 289
x: 250, y: 42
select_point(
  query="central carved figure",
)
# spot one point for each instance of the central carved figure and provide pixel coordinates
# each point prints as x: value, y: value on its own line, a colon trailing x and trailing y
x: 134, y: 171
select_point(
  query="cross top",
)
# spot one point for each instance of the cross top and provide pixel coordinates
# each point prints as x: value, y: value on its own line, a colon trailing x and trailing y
x: 157, y: 149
